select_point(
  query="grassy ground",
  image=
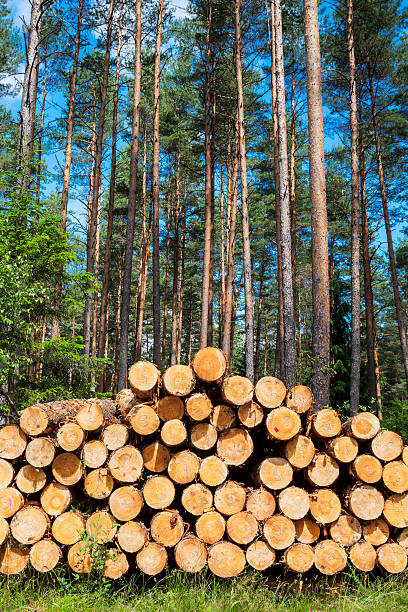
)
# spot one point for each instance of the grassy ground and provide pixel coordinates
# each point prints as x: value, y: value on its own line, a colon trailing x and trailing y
x: 177, y: 592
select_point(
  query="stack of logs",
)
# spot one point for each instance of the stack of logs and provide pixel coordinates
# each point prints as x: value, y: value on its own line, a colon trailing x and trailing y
x: 197, y: 467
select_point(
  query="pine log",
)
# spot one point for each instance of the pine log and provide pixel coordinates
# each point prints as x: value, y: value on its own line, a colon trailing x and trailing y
x: 323, y: 470
x: 366, y: 468
x: 210, y: 365
x: 213, y: 471
x: 101, y: 527
x: 395, y: 476
x: 307, y: 531
x: 126, y: 464
x: 226, y: 560
x: 197, y: 499
x: 210, y: 527
x: 126, y: 503
x: 11, y: 501
x: 261, y: 503
x: 325, y: 506
x: 274, y: 473
x: 299, y: 452
x: 70, y: 437
x: 223, y: 417
x: 68, y: 528
x: 132, y: 536
x: 125, y: 401
x: 159, y: 492
x: 173, y: 433
x: 363, y: 426
x: 143, y: 419
x: 151, y: 559
x: 326, y: 424
x: 230, y: 498
x: 344, y: 449
x: 329, y: 557
x: 167, y: 528
x: 79, y: 558
x: 40, y: 452
x: 90, y: 416
x: 203, y: 436
x: 260, y: 555
x: 115, y: 436
x: 34, y: 421
x: 346, y: 531
x: 365, y: 502
x: 250, y: 414
x: 198, y: 406
x: 170, y: 407
x: 237, y: 390
x: 402, y: 539
x: 294, y: 503
x: 387, y: 445
x: 116, y: 564
x: 363, y: 556
x: 45, y: 555
x: 144, y: 379
x: 279, y: 531
x: 13, y: 442
x: 179, y: 380
x: 190, y: 554
x: 4, y: 530
x: 405, y: 455
x: 13, y: 560
x: 67, y: 469
x: 156, y: 457
x: 299, y: 399
x: 283, y: 424
x: 6, y: 474
x: 392, y: 558
x: 270, y: 392
x: 94, y: 454
x: 183, y: 467
x: 396, y: 510
x: 55, y: 498
x: 242, y: 528
x: 98, y: 484
x: 298, y: 558
x: 376, y: 532
x: 29, y: 525
x: 235, y: 446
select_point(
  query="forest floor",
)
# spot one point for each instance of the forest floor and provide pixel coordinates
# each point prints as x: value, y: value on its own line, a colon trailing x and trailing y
x: 176, y: 592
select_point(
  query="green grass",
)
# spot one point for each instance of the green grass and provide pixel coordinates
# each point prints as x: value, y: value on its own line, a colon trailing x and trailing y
x: 177, y: 592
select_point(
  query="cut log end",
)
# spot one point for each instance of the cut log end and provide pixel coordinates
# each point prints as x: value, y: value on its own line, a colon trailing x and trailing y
x: 299, y: 399
x: 395, y: 476
x: 190, y: 554
x: 203, y: 436
x: 4, y: 530
x: 237, y: 390
x: 13, y: 560
x: 242, y: 528
x: 230, y: 498
x: 170, y: 407
x: 299, y: 452
x: 40, y: 452
x: 70, y: 437
x: 116, y: 564
x: 387, y: 445
x: 156, y: 457
x: 235, y: 446
x: 367, y: 468
x: 132, y: 536
x: 213, y: 471
x: 115, y: 436
x: 294, y: 503
x: 279, y: 531
x: 152, y: 559
x: 29, y: 525
x: 307, y: 531
x: 143, y: 419
x: 250, y: 414
x: 159, y: 492
x: 198, y: 406
x: 126, y: 464
x: 326, y: 423
x: 260, y: 555
x: 11, y: 500
x: 346, y: 531
x: 365, y: 502
x: 34, y: 421
x: 396, y: 510
x: 90, y: 416
x: 179, y: 380
x: 210, y: 365
x: 67, y: 469
x: 226, y: 560
x: 167, y: 528
x: 210, y: 527
x: 143, y: 379
x: 223, y: 417
x: 299, y: 558
x: 392, y: 558
x: 94, y: 454
x: 101, y: 527
x: 173, y: 433
x: 196, y: 499
x: 270, y: 392
x: 344, y: 449
x: 6, y: 474
x: 261, y: 503
x: 323, y: 471
x: 183, y: 467
x: 68, y: 528
x: 45, y: 555
x: 364, y: 426
x: 98, y: 484
x: 56, y: 498
x: 325, y: 506
x: 275, y: 473
x: 376, y: 532
x: 329, y: 557
x: 363, y: 556
x: 125, y: 503
x: 283, y: 424
x: 79, y: 558
x: 13, y: 442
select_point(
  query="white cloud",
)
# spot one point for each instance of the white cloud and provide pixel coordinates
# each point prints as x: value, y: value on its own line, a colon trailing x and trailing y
x: 20, y: 10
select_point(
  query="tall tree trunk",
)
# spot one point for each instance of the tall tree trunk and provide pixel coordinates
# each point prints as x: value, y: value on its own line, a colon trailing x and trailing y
x: 115, y: 386
x: 175, y: 296
x: 131, y: 212
x: 212, y: 244
x: 166, y: 283
x: 180, y: 294
x: 292, y: 197
x: 222, y: 258
x: 265, y: 368
x: 317, y: 185
x: 249, y: 307
x: 259, y: 320
x: 94, y: 343
x: 41, y: 131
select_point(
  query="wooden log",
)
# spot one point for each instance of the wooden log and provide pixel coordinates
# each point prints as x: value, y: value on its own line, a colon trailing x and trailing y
x: 387, y: 445
x: 210, y: 365
x: 79, y: 558
x: 67, y: 469
x: 203, y: 436
x: 405, y: 455
x: 294, y: 502
x: 11, y: 501
x: 183, y: 467
x: 260, y: 555
x: 98, y: 484
x: 179, y: 380
x: 167, y: 528
x: 40, y: 452
x: 126, y: 464
x: 235, y: 446
x: 116, y: 564
x: 270, y: 392
x: 6, y: 474
x: 346, y: 531
x: 329, y: 557
x: 298, y: 558
x: 274, y: 473
x: 323, y: 470
x: 152, y: 559
x: 159, y: 492
x: 156, y: 457
x: 94, y: 454
x: 365, y: 502
x: 376, y: 532
x: 213, y: 471
x: 125, y: 400
x: 70, y: 436
x: 13, y: 560
x: 173, y: 433
x: 307, y: 531
x: 55, y: 498
x: 101, y: 527
x: 45, y: 555
x: 4, y: 530
x: 13, y: 442
x: 29, y: 525
x: 363, y: 426
x: 223, y: 417
x: 395, y: 476
x: 283, y: 424
x: 34, y: 421
x: 242, y: 528
x: 392, y: 558
x: 261, y: 503
x: 237, y: 390
x: 344, y: 449
x: 115, y: 436
x: 396, y: 510
x: 198, y: 406
x: 90, y: 416
x: 132, y: 536
x: 226, y: 560
x: 250, y: 414
x: 190, y: 554
x: 402, y: 539
x: 197, y: 499
x: 125, y: 503
x: 170, y: 407
x: 143, y: 419
x: 325, y: 506
x: 366, y: 468
x: 300, y: 399
x: 279, y: 531
x: 210, y: 527
x: 299, y: 451
x: 363, y: 556
x: 326, y: 424
x: 68, y: 528
x: 144, y: 379
x: 230, y: 498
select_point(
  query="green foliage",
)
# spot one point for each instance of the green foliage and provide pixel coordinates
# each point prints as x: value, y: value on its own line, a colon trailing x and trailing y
x: 395, y: 417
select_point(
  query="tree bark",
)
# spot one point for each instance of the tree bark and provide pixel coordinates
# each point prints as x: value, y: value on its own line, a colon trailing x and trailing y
x: 292, y: 197
x: 166, y: 281
x: 180, y: 293
x: 115, y: 386
x: 175, y: 296
x: 259, y: 321
x: 41, y: 131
